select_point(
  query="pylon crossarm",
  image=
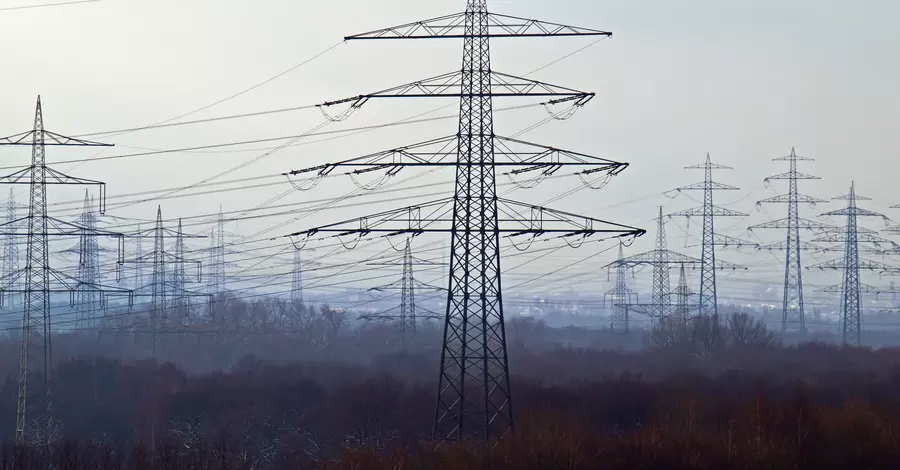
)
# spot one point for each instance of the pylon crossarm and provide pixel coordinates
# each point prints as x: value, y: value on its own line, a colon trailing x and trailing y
x: 708, y: 165
x: 855, y: 211
x: 449, y: 85
x: 716, y: 211
x: 443, y: 152
x: 860, y: 238
x: 864, y: 264
x: 805, y: 224
x: 498, y: 26
x: 515, y: 218
x: 803, y: 245
x: 705, y: 186
x: 10, y: 279
x: 50, y: 138
x: 863, y: 289
x: 790, y: 176
x: 786, y: 199
x: 727, y: 241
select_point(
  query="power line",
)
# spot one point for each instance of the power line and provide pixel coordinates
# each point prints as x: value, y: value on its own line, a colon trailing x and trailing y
x: 48, y: 5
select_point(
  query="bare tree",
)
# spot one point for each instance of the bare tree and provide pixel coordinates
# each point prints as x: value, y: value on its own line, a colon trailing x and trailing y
x: 746, y: 331
x: 334, y: 319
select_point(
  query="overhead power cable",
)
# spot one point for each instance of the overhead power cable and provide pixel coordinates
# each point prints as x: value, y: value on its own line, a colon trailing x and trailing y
x: 47, y: 5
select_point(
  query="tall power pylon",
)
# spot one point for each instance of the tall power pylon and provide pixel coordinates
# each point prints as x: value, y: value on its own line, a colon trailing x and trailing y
x: 851, y: 288
x: 474, y: 399
x: 407, y: 315
x: 297, y: 278
x: 682, y: 295
x: 661, y: 260
x: 166, y: 290
x: 34, y: 408
x: 11, y: 257
x: 88, y: 250
x: 709, y: 212
x: 792, y: 305
x: 216, y: 269
x: 620, y: 295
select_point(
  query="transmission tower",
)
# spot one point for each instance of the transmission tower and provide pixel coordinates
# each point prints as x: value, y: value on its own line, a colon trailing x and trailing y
x: 851, y: 288
x: 474, y: 398
x: 792, y: 306
x: 166, y: 291
x: 11, y: 243
x: 181, y: 300
x: 662, y: 260
x: 709, y: 211
x: 297, y: 278
x: 682, y: 294
x: 88, y: 251
x: 34, y: 408
x: 620, y: 295
x: 216, y: 270
x: 406, y: 314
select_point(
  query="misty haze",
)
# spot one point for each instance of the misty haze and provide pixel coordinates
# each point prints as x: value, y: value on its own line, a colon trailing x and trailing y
x: 410, y: 235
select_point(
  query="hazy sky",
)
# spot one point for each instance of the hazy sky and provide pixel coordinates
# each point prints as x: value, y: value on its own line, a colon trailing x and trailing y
x: 744, y: 81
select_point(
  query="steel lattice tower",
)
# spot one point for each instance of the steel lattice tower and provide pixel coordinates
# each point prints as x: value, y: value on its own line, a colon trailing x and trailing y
x: 166, y: 290
x: 709, y: 212
x: 297, y: 278
x: 216, y: 280
x: 683, y: 294
x: 662, y: 260
x: 34, y: 399
x: 792, y: 306
x: 88, y: 269
x: 158, y: 313
x: 851, y: 288
x: 474, y: 399
x: 138, y: 254
x: 661, y: 266
x: 407, y: 315
x: 11, y: 255
x: 181, y: 302
x: 620, y: 295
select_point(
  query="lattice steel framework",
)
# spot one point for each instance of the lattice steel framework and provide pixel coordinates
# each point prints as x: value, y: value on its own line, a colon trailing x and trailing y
x: 216, y: 269
x: 11, y: 256
x: 851, y: 288
x: 792, y: 305
x: 407, y: 314
x: 662, y: 260
x: 166, y: 290
x: 682, y: 295
x: 620, y: 295
x: 474, y: 399
x: 709, y: 212
x: 88, y: 301
x: 39, y: 280
x: 297, y: 278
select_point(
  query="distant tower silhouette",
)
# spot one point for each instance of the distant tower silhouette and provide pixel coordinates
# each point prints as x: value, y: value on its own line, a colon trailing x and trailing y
x: 709, y: 212
x: 683, y: 294
x: 88, y: 301
x: 851, y: 288
x: 11, y: 257
x: 408, y: 315
x: 661, y: 266
x: 297, y: 278
x: 792, y: 306
x: 620, y: 295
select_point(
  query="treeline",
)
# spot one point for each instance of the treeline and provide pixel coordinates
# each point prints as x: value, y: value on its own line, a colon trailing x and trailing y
x: 705, y: 393
x: 281, y: 417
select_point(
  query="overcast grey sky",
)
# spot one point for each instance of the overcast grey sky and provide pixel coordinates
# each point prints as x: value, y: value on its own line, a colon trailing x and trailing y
x: 744, y: 81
